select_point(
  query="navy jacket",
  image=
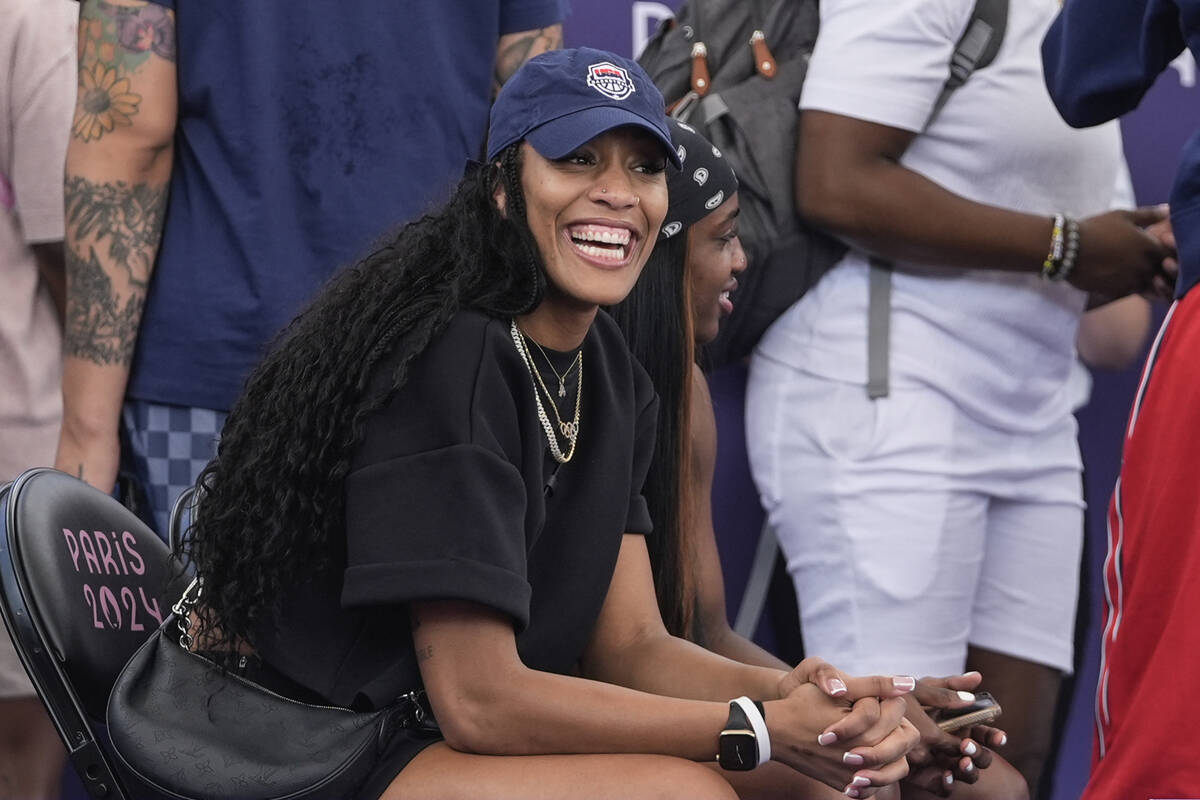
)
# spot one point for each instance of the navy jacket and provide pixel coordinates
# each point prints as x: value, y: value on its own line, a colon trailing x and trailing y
x: 1100, y: 57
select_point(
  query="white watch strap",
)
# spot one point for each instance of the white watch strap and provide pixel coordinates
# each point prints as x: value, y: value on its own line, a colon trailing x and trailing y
x: 759, y: 726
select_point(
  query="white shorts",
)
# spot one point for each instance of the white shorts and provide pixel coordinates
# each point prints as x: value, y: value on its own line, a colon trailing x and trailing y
x: 911, y: 529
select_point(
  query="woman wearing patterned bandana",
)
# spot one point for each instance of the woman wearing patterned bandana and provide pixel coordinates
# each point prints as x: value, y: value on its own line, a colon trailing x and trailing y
x: 676, y: 308
x: 433, y: 485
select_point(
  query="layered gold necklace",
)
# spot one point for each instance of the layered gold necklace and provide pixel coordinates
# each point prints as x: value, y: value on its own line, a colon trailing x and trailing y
x: 569, y: 430
x: 562, y: 378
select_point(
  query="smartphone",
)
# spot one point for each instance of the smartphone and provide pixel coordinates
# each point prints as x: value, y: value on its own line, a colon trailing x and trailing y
x: 981, y: 712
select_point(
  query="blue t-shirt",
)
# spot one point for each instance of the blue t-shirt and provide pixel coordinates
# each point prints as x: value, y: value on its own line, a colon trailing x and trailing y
x: 1100, y: 58
x: 306, y: 131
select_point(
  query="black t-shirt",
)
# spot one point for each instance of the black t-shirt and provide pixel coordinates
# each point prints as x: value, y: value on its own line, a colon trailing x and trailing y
x: 446, y: 500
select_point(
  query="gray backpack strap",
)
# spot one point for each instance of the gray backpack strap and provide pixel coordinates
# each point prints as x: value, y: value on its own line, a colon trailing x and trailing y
x: 977, y: 48
x: 879, y: 327
x: 712, y: 108
x: 758, y: 584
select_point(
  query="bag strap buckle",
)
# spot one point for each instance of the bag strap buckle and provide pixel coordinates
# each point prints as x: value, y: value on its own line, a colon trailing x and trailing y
x: 183, y: 608
x: 415, y: 711
x: 191, y: 595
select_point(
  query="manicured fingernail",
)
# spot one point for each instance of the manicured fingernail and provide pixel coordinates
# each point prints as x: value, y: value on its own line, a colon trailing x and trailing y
x: 970, y: 749
x: 970, y: 767
x: 850, y: 791
x: 905, y: 682
x: 1003, y: 740
x: 972, y: 674
x: 826, y: 738
x: 860, y: 780
x: 854, y: 759
x: 837, y: 686
x: 966, y: 697
x: 949, y: 779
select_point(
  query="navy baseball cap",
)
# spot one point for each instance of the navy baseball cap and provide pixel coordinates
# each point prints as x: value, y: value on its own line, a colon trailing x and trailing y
x: 562, y: 99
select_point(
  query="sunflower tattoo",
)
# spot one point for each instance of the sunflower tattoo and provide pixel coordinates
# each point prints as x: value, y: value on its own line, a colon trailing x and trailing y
x: 104, y: 102
x: 114, y: 42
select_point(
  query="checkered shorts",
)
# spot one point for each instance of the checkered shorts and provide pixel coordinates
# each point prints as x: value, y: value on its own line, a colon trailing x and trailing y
x: 166, y: 448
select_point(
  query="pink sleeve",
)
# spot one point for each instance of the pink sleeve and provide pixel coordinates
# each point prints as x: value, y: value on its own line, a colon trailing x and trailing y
x: 43, y: 100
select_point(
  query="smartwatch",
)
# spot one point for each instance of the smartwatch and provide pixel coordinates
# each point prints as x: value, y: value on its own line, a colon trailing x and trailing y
x: 738, y: 745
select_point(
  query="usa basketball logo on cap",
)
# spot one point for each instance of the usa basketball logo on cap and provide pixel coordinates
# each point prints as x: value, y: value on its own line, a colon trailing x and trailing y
x: 610, y: 80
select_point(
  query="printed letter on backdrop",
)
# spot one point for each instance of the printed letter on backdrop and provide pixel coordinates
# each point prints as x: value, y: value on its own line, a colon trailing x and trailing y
x: 647, y: 16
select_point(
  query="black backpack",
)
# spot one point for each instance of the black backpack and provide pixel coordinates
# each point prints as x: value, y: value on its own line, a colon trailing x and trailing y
x: 733, y: 69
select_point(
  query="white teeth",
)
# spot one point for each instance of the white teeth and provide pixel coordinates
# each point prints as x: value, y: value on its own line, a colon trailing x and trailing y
x: 605, y: 237
x: 602, y: 253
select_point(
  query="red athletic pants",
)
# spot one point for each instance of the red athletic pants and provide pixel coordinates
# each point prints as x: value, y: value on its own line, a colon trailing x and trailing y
x: 1148, y: 697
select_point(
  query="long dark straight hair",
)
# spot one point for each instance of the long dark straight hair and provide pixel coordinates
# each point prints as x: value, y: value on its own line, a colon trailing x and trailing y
x: 271, y: 503
x: 656, y: 319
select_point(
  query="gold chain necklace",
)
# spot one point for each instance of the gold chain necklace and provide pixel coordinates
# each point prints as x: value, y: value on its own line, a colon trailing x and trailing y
x: 570, y: 431
x: 562, y: 379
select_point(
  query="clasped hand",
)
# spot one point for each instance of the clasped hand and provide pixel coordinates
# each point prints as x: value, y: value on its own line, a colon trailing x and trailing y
x: 1124, y: 252
x: 858, y: 734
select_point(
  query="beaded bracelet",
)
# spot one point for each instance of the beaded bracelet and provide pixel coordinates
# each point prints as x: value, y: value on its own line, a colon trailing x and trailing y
x: 1054, y: 257
x: 1064, y: 248
x: 1070, y: 251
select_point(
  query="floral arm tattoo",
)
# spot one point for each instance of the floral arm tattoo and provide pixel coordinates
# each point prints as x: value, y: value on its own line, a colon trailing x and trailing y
x: 121, y: 224
x: 113, y: 226
x: 113, y: 42
x: 103, y: 330
x: 515, y: 49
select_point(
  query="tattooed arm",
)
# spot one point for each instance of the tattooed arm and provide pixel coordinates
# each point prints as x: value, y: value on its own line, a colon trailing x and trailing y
x: 515, y: 49
x: 118, y: 169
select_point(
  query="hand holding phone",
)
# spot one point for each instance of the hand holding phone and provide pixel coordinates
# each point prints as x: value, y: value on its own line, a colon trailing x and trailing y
x: 983, y: 711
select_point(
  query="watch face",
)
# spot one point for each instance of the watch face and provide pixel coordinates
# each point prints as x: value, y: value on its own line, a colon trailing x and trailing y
x: 738, y: 750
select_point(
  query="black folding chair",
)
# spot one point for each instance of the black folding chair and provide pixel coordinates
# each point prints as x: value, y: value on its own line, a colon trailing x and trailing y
x: 83, y: 583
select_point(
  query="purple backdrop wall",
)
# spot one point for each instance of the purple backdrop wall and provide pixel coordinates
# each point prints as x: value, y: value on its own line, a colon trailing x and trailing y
x: 1154, y: 135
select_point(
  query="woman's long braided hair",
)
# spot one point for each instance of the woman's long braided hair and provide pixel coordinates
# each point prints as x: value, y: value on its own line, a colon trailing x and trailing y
x: 270, y: 510
x: 656, y: 319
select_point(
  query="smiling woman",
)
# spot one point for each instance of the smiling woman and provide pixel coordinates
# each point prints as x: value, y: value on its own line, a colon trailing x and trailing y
x: 593, y: 212
x: 466, y: 534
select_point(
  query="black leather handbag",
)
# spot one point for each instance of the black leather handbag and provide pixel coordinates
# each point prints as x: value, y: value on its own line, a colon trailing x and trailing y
x: 188, y: 729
